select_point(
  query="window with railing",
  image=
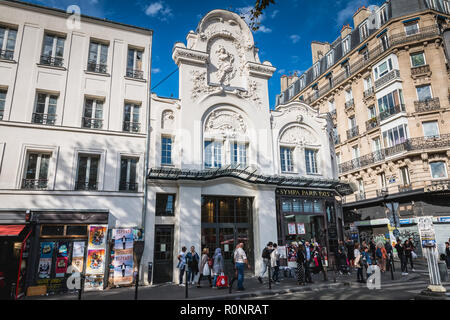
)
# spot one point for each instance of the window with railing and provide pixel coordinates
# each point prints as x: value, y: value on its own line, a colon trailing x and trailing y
x: 395, y: 136
x: 36, y: 174
x: 391, y: 104
x: 131, y: 115
x: 134, y: 63
x: 45, y: 109
x: 411, y: 28
x: 98, y: 57
x: 239, y: 155
x: 93, y: 114
x: 128, y: 170
x: 430, y: 129
x: 7, y: 43
x: 2, y: 102
x: 213, y: 154
x: 424, y: 92
x: 52, y: 50
x: 383, y: 68
x: 311, y: 161
x: 286, y: 159
x: 87, y: 175
x: 417, y: 59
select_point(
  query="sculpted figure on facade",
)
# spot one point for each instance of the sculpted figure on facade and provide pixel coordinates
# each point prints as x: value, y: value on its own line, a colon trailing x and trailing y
x: 226, y: 70
x: 225, y: 123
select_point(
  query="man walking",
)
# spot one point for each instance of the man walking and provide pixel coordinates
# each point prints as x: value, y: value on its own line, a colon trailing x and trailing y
x: 308, y: 262
x: 240, y: 259
x: 275, y: 263
x: 266, y: 260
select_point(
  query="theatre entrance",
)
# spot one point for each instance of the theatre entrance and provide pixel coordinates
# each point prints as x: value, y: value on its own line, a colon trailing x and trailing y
x: 226, y: 222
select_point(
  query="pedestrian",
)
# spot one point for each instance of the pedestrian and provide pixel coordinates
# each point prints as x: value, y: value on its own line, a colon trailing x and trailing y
x: 447, y: 253
x: 205, y: 271
x: 350, y: 252
x: 275, y: 263
x: 324, y: 259
x: 381, y: 256
x: 372, y: 249
x: 301, y: 260
x: 192, y: 261
x: 240, y: 259
x: 389, y: 252
x: 341, y: 261
x: 235, y: 271
x: 266, y: 258
x: 181, y: 265
x: 358, y: 263
x: 218, y: 266
x: 367, y: 262
x: 401, y: 255
x: 308, y: 262
x: 409, y: 249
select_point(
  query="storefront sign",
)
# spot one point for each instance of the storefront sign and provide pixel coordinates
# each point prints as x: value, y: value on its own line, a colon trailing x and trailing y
x: 305, y: 193
x: 406, y: 221
x: 444, y: 219
x: 436, y: 187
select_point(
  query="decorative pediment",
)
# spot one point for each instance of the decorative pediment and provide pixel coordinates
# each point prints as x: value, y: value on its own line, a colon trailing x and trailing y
x: 299, y: 135
x: 226, y: 123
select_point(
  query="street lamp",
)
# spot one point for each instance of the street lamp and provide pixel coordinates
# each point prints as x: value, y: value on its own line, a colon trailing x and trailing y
x: 138, y: 250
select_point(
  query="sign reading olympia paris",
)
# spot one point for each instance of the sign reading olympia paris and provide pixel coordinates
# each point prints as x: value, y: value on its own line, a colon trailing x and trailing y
x: 123, y: 256
x: 95, y: 265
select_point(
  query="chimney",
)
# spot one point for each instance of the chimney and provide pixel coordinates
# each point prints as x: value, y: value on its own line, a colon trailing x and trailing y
x: 319, y: 49
x: 284, y: 82
x: 362, y: 14
x: 346, y: 30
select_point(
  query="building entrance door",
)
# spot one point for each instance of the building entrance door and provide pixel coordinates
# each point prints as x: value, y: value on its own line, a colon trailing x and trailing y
x: 163, y: 257
x: 226, y: 222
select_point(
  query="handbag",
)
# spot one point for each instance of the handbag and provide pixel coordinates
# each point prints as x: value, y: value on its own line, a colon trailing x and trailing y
x: 413, y: 255
x: 206, y: 271
x: 222, y: 281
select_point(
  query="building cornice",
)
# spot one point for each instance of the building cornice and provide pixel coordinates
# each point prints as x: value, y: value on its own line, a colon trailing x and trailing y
x: 183, y: 55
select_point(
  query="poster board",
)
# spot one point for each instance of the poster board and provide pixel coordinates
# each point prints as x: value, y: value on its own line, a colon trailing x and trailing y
x: 122, y: 259
x: 96, y: 254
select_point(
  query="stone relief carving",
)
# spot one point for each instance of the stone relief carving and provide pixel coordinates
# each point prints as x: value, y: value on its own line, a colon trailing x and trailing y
x: 225, y: 67
x: 200, y: 85
x: 251, y: 94
x: 167, y: 119
x: 226, y: 123
x: 299, y: 136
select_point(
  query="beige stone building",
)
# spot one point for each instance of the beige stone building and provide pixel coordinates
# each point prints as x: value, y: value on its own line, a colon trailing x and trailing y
x: 385, y: 83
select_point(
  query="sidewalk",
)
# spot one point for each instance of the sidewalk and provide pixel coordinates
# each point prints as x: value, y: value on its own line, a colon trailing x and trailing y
x: 253, y: 289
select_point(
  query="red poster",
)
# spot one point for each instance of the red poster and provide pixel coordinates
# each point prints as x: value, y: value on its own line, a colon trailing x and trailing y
x: 61, y: 266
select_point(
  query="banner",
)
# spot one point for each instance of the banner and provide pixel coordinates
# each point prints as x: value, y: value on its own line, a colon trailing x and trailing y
x: 123, y: 239
x: 123, y: 256
x: 61, y: 267
x: 291, y: 228
x: 95, y: 263
x: 301, y: 228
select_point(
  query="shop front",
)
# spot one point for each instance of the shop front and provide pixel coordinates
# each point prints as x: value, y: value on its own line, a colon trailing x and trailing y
x: 307, y: 215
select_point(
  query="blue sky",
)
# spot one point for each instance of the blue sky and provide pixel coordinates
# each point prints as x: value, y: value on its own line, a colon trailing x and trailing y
x: 287, y: 28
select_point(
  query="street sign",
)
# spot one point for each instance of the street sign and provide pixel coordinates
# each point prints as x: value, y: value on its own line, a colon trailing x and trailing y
x: 426, y: 231
x: 396, y: 233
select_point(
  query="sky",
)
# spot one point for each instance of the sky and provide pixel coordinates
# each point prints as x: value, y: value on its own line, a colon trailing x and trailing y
x: 284, y: 38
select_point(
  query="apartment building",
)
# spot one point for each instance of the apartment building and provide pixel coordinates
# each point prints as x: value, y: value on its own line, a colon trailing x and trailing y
x: 385, y: 83
x: 74, y: 106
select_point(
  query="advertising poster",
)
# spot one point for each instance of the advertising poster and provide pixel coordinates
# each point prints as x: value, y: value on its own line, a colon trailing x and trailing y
x: 123, y: 269
x: 282, y: 252
x: 63, y: 249
x: 93, y: 283
x: 47, y: 250
x: 97, y: 237
x: 291, y: 254
x: 138, y: 235
x: 95, y: 262
x: 44, y: 268
x: 301, y: 228
x: 123, y: 239
x: 61, y: 266
x: 291, y: 228
x: 78, y: 256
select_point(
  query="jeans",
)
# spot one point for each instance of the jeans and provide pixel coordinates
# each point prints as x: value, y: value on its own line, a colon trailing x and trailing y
x: 307, y: 272
x: 409, y: 257
x: 266, y: 264
x: 276, y: 273
x: 180, y: 277
x: 403, y: 264
x: 190, y: 275
x: 240, y: 270
x: 202, y: 276
x: 359, y: 274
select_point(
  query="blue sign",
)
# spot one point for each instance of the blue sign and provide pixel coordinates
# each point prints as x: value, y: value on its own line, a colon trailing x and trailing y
x: 396, y: 233
x: 406, y: 221
x: 428, y: 243
x: 444, y: 219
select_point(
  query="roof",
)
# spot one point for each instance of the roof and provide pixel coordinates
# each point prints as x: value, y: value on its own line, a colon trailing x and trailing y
x: 63, y: 12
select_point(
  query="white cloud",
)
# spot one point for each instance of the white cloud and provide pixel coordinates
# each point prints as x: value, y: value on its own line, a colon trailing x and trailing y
x: 281, y: 71
x: 295, y: 38
x: 156, y: 70
x: 274, y: 14
x: 264, y: 29
x: 159, y: 10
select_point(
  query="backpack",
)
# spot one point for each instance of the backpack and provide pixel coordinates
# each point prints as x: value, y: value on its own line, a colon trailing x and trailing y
x: 378, y: 252
x: 210, y: 262
x: 266, y: 254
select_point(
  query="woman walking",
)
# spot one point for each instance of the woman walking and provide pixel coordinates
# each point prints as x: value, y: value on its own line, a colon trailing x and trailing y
x: 205, y: 271
x: 301, y: 265
x: 218, y: 266
x: 381, y: 256
x: 358, y: 264
x: 275, y: 263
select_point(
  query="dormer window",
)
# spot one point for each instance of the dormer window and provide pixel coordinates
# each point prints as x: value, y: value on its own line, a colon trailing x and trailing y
x: 364, y: 31
x: 346, y: 45
x: 316, y: 70
x: 330, y: 59
x: 302, y: 82
x: 383, y: 15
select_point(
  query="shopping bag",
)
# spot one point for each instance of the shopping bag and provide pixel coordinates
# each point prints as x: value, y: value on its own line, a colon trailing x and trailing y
x: 222, y: 281
x: 413, y: 255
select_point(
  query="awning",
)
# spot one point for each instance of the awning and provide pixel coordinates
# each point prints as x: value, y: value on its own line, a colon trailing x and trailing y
x: 382, y: 32
x: 410, y: 20
x: 11, y: 230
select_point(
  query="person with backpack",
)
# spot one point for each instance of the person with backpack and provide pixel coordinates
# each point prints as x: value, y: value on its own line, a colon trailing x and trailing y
x: 350, y: 246
x: 381, y: 256
x: 401, y: 255
x: 359, y: 264
x: 218, y: 266
x: 181, y: 265
x: 192, y: 261
x: 205, y: 268
x: 275, y: 263
x: 266, y: 259
x: 409, y: 248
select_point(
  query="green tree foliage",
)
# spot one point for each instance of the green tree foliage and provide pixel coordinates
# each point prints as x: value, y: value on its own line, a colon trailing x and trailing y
x: 257, y: 11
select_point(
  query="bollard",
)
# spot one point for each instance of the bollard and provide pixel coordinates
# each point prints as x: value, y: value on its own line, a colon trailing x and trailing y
x: 270, y: 278
x: 442, y: 266
x: 391, y: 263
x: 81, y: 286
x: 187, y: 284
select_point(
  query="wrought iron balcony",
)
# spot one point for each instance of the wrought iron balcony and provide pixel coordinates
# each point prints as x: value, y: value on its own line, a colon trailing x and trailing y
x: 391, y: 76
x: 44, y: 118
x: 131, y: 126
x: 353, y: 132
x: 6, y: 54
x: 337, y: 139
x: 413, y: 144
x: 92, y: 123
x: 369, y: 93
x: 420, y: 71
x: 127, y: 186
x: 372, y: 123
x: 52, y: 61
x: 137, y: 74
x: 391, y: 111
x: 86, y: 186
x: 405, y: 188
x: 427, y: 105
x: 34, y: 184
x: 96, y: 67
x: 350, y: 103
